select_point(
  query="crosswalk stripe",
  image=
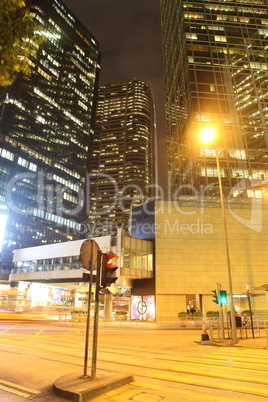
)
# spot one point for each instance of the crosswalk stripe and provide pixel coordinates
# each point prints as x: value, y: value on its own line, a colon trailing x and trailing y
x: 259, y: 353
x: 222, y: 367
x: 240, y: 358
x: 14, y: 391
x: 183, y: 392
x: 219, y: 375
x: 229, y: 361
x: 203, y: 383
x: 19, y: 387
x: 244, y: 350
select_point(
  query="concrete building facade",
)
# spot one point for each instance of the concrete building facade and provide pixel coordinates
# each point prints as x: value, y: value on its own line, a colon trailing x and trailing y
x: 190, y: 257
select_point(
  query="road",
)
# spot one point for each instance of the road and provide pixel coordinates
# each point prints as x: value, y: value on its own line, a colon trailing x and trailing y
x: 168, y: 365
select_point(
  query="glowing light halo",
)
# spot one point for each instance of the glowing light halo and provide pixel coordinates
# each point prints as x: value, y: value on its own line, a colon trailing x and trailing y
x: 208, y: 135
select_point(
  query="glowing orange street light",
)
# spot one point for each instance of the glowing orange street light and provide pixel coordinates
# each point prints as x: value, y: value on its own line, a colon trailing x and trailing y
x: 207, y: 136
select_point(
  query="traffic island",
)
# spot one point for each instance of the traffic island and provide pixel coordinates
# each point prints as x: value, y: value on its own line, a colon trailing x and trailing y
x: 75, y: 388
x: 227, y: 342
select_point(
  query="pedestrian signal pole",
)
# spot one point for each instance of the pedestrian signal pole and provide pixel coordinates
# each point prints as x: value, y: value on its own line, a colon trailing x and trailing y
x: 96, y: 318
x: 215, y: 296
x: 88, y: 257
x: 221, y: 318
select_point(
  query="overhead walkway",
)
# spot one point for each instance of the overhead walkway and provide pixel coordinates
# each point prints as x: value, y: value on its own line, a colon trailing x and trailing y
x: 64, y: 276
x: 53, y: 263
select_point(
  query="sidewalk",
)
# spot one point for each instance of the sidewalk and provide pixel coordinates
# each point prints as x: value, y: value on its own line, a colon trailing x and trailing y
x: 259, y: 342
x: 250, y: 343
x: 75, y: 388
x: 255, y: 343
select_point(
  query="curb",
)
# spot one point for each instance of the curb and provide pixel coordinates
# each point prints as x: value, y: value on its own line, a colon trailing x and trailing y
x: 75, y: 388
x: 211, y: 343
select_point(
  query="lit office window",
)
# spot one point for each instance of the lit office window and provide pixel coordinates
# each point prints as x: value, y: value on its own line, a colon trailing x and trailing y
x: 7, y: 154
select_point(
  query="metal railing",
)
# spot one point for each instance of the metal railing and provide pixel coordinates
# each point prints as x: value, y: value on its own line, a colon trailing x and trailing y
x: 246, y: 331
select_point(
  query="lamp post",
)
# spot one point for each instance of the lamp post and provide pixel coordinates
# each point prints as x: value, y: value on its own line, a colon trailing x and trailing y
x: 207, y: 136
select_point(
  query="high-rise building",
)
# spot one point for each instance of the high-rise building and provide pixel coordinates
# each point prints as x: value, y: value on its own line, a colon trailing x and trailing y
x: 123, y: 163
x: 216, y: 72
x: 46, y: 132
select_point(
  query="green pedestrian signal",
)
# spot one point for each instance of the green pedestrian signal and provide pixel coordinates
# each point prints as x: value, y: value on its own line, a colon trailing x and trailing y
x: 215, y: 296
x: 223, y: 297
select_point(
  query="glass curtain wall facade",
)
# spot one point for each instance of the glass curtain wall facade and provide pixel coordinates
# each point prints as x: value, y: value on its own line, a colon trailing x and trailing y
x: 216, y: 72
x: 47, y: 131
x: 123, y: 163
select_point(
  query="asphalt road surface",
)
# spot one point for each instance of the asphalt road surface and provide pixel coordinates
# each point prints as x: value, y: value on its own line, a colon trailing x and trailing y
x: 168, y: 365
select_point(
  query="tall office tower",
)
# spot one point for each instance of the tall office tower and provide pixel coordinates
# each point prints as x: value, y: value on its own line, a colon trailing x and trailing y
x: 123, y: 163
x: 216, y: 73
x: 46, y: 132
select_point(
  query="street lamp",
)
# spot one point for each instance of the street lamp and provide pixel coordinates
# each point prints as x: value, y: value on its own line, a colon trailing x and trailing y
x: 207, y: 136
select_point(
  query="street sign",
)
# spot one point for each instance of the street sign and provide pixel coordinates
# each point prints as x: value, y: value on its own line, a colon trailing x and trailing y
x: 88, y: 254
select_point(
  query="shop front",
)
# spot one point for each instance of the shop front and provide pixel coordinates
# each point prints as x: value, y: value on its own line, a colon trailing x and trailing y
x: 143, y: 308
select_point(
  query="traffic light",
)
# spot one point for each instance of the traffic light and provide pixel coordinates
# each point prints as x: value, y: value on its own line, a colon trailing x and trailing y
x: 215, y: 296
x: 223, y: 297
x: 108, y: 270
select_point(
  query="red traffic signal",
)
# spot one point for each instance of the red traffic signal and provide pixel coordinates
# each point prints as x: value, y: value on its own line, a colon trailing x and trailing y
x: 110, y: 260
x: 108, y: 275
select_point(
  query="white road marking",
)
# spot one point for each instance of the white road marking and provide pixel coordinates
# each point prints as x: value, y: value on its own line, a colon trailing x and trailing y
x: 17, y: 389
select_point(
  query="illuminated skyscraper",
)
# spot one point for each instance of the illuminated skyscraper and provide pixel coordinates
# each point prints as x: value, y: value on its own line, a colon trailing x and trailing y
x: 216, y: 72
x: 47, y: 130
x: 123, y: 164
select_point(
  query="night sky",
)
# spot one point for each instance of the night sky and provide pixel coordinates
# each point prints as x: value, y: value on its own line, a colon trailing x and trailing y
x: 129, y: 36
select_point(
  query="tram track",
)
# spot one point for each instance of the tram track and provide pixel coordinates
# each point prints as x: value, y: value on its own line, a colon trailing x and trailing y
x: 157, y: 355
x: 182, y: 376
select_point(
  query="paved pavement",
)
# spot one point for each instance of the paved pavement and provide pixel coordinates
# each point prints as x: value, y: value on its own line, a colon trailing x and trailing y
x: 77, y: 387
x: 250, y: 343
x: 256, y: 343
x: 259, y: 342
x: 74, y: 388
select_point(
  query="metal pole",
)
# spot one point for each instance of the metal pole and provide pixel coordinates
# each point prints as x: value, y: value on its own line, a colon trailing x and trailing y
x: 233, y: 322
x: 96, y: 319
x: 220, y: 312
x: 210, y: 330
x: 227, y: 318
x: 251, y: 317
x: 88, y: 318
